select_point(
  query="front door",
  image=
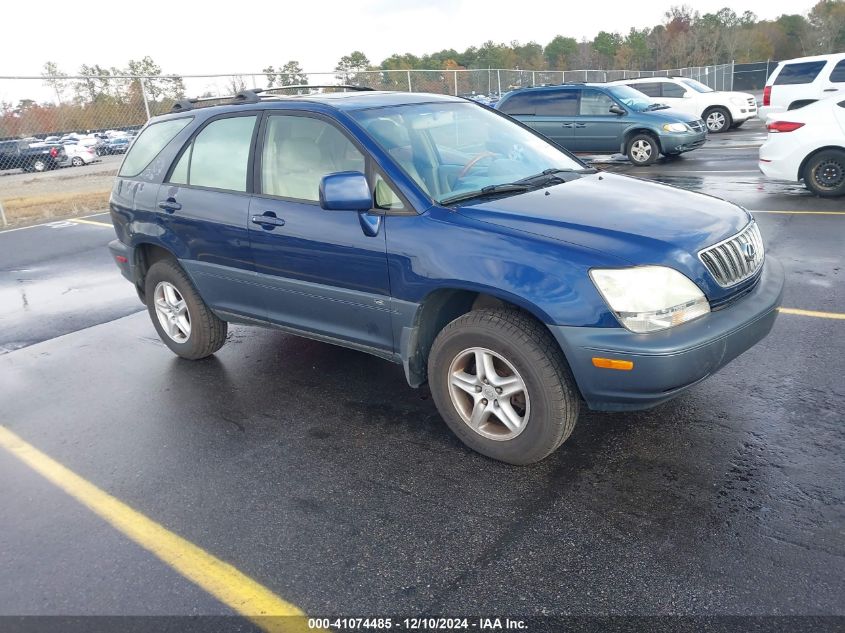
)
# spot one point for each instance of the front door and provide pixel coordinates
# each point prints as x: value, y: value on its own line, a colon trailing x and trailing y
x: 597, y: 129
x: 320, y: 272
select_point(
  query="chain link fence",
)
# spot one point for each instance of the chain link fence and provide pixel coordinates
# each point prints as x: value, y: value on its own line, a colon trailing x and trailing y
x: 80, y: 127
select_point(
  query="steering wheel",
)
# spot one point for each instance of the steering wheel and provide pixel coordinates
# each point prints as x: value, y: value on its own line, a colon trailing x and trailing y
x: 472, y: 162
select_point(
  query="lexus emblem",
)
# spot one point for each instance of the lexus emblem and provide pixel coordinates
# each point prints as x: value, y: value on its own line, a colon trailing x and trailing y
x: 749, y: 251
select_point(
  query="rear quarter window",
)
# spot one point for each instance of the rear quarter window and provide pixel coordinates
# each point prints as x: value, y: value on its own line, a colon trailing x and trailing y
x: 149, y: 143
x: 801, y: 73
x: 837, y: 75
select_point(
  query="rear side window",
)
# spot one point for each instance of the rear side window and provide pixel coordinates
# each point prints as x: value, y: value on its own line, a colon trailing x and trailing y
x: 519, y: 104
x: 218, y: 157
x: 149, y: 143
x: 837, y: 75
x: 652, y: 89
x: 672, y: 90
x: 803, y: 73
x: 556, y: 103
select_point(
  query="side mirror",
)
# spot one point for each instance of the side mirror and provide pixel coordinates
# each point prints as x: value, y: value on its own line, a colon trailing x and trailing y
x: 345, y: 191
x: 618, y: 109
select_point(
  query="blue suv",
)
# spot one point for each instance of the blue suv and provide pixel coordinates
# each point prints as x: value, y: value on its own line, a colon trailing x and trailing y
x: 606, y: 119
x: 520, y: 284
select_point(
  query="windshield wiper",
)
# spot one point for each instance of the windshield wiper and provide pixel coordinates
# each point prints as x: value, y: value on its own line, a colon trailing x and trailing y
x: 485, y: 191
x: 552, y: 175
x: 656, y: 106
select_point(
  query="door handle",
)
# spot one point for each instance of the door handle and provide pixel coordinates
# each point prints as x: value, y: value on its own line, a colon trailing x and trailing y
x: 831, y: 90
x: 170, y: 205
x: 268, y: 220
x: 580, y: 125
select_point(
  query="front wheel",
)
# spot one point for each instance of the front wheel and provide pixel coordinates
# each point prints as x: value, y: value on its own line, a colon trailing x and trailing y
x: 718, y: 120
x: 824, y: 173
x: 643, y: 150
x: 182, y: 319
x: 39, y: 165
x: 501, y: 384
x: 77, y: 161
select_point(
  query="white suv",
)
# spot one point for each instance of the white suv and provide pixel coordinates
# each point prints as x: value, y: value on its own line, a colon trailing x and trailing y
x: 721, y: 110
x: 799, y: 82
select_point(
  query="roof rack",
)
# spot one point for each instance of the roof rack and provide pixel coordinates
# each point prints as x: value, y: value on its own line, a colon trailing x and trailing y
x: 257, y: 94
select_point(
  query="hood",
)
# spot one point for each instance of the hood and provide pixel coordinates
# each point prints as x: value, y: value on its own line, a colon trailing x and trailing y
x: 638, y: 221
x: 670, y: 115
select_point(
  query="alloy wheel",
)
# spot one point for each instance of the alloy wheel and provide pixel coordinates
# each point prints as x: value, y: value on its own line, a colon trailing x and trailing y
x: 489, y: 394
x: 716, y: 121
x: 641, y: 151
x: 172, y: 312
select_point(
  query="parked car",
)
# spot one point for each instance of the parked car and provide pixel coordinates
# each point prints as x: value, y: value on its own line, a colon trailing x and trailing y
x: 720, y: 109
x: 808, y: 144
x: 799, y: 82
x: 445, y: 237
x: 51, y: 139
x: 599, y: 118
x: 79, y: 154
x: 17, y: 154
x: 117, y: 145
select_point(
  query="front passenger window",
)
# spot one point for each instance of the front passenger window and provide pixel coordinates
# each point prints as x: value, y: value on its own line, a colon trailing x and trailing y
x: 595, y: 103
x: 299, y: 151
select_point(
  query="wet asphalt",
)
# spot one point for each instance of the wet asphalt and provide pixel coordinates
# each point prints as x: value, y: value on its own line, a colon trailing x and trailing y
x: 320, y: 473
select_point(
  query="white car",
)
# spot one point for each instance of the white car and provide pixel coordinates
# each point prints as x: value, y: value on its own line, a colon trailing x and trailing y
x: 799, y: 82
x: 808, y: 144
x: 721, y: 110
x: 79, y: 154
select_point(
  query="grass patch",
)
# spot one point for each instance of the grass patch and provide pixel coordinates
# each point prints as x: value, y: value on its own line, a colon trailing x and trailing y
x: 29, y: 209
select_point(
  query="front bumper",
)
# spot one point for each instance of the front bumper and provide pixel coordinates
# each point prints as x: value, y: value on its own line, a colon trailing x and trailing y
x: 668, y: 362
x: 679, y: 143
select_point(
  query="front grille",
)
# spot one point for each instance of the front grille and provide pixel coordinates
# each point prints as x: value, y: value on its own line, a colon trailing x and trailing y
x: 696, y: 126
x: 736, y: 258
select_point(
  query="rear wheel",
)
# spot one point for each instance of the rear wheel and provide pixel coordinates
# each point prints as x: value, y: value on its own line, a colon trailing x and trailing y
x: 718, y: 120
x: 824, y: 173
x: 182, y: 319
x: 501, y: 384
x: 39, y: 165
x: 643, y: 149
x: 77, y: 161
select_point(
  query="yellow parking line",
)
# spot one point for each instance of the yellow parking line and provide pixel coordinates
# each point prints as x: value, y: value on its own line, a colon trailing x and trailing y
x: 813, y: 313
x: 842, y: 213
x: 233, y: 588
x: 94, y: 222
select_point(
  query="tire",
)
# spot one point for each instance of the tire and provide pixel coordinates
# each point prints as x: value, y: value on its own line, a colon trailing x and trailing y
x: 39, y: 165
x: 642, y: 150
x: 519, y: 348
x: 76, y: 161
x: 198, y: 332
x: 717, y: 120
x: 824, y: 173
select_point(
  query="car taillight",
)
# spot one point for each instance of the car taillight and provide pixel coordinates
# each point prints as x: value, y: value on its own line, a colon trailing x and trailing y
x: 54, y: 152
x: 767, y: 96
x: 783, y: 126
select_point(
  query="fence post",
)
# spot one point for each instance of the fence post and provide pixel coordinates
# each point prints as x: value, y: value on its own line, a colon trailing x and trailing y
x: 455, y: 72
x: 499, y: 81
x: 563, y: 76
x: 733, y: 72
x: 144, y: 95
x: 3, y: 215
x: 533, y: 78
x: 408, y: 72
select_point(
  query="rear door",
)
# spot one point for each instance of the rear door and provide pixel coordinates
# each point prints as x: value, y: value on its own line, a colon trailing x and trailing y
x: 834, y: 82
x: 204, y: 202
x: 321, y: 272
x: 597, y: 129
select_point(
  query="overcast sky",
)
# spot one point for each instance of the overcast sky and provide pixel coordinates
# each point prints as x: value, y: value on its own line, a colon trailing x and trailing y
x: 187, y: 37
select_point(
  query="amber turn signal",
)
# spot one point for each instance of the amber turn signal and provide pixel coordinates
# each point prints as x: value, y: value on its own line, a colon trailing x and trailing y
x: 613, y: 363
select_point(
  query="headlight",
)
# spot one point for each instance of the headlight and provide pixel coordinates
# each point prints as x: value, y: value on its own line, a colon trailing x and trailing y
x: 738, y: 101
x: 650, y: 298
x: 674, y: 127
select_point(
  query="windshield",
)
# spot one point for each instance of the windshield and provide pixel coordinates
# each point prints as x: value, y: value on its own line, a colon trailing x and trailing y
x: 632, y: 98
x: 696, y: 85
x: 454, y: 148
